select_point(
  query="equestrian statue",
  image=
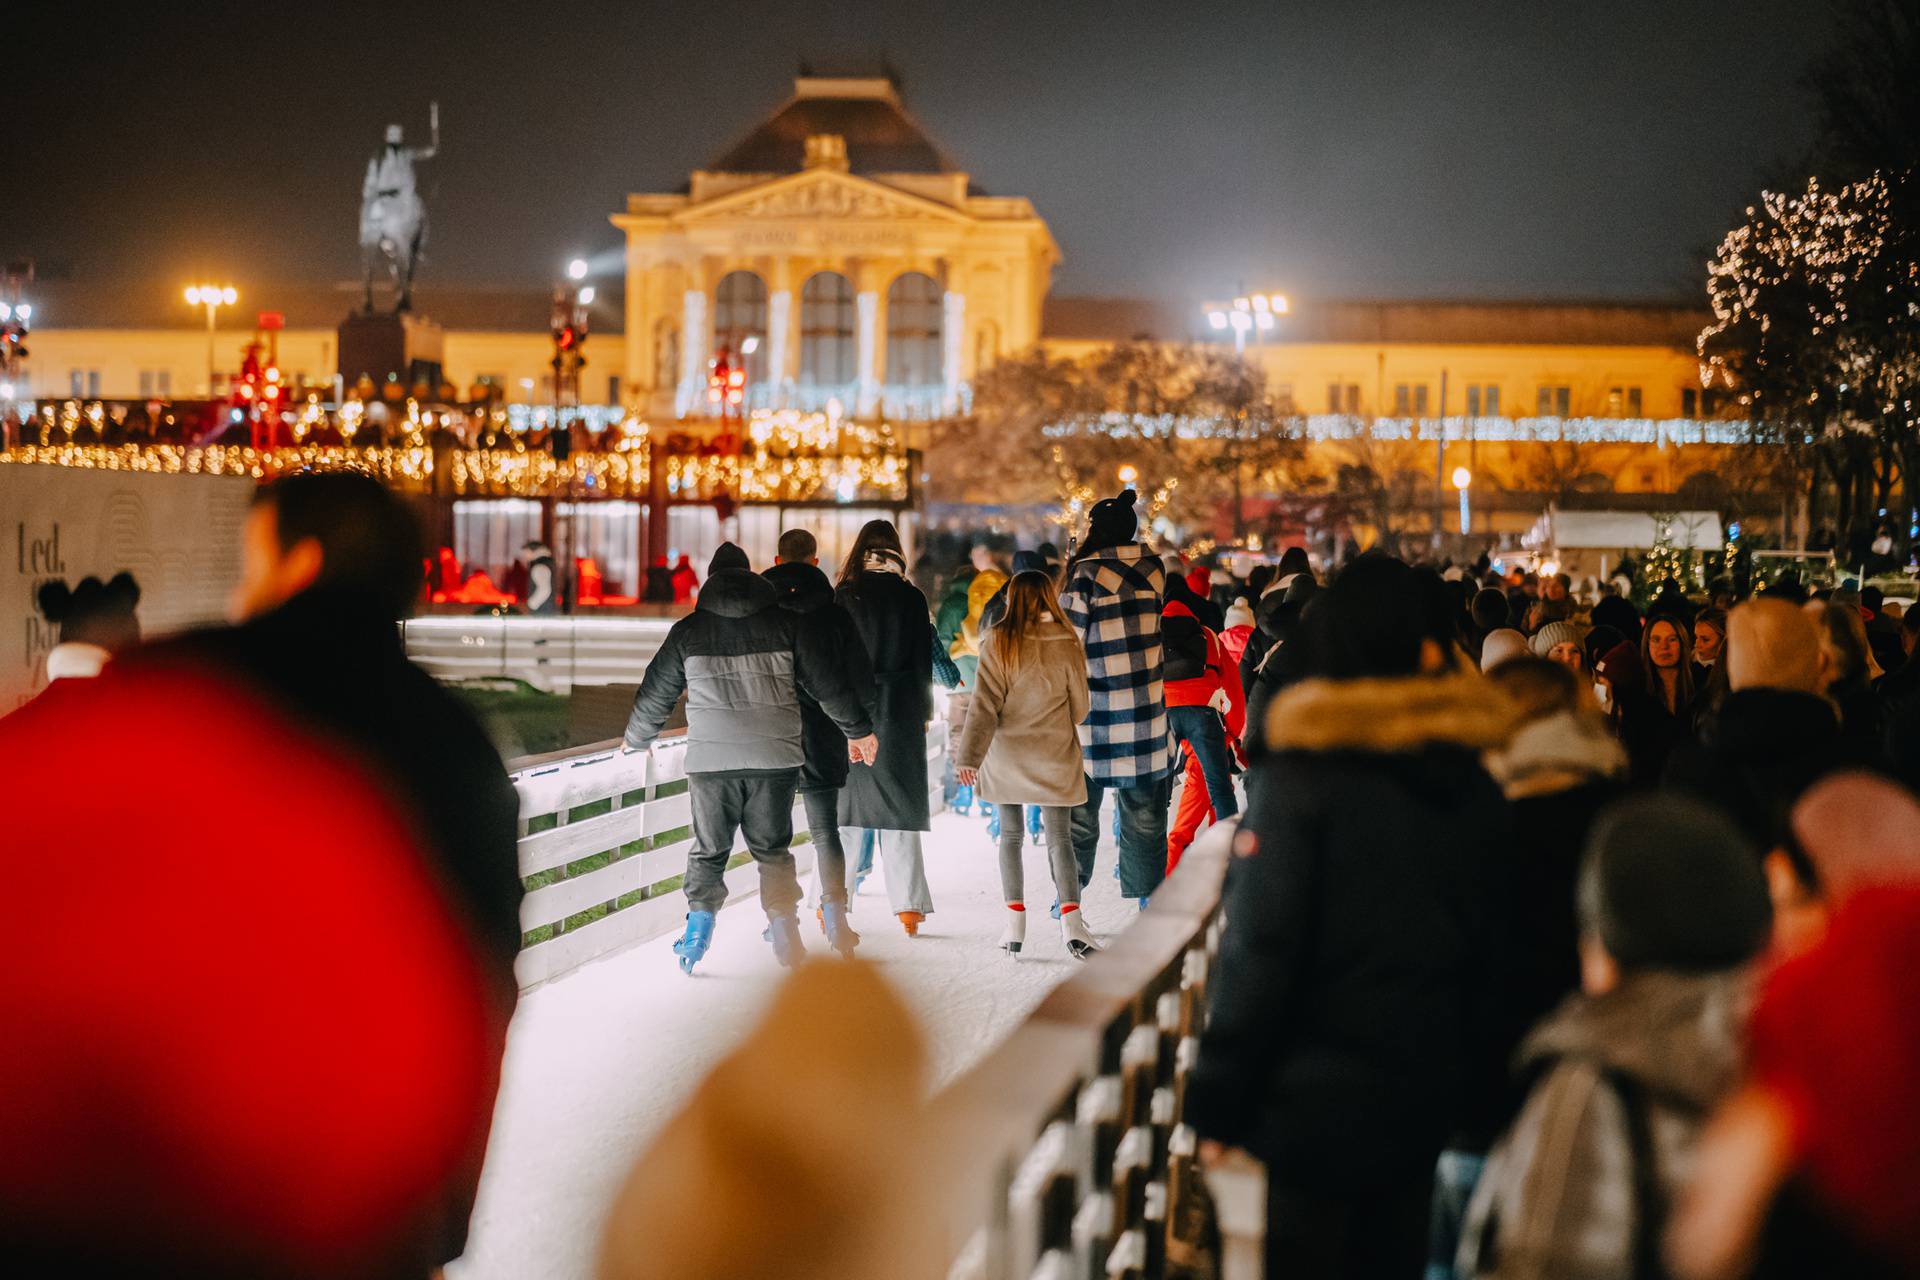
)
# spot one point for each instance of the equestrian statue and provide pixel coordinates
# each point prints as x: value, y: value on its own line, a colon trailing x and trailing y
x: 393, y: 219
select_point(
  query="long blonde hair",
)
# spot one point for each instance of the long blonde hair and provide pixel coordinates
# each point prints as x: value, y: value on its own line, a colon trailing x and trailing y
x: 1031, y: 600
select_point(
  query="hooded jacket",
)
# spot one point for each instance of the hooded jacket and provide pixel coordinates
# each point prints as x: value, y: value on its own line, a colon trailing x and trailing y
x: 1558, y: 1200
x: 1350, y: 1002
x: 1113, y: 599
x: 806, y: 591
x: 1198, y: 667
x: 743, y: 662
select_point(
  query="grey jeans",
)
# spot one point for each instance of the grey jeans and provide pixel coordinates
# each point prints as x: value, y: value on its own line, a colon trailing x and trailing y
x: 1058, y: 820
x: 829, y: 855
x: 760, y: 807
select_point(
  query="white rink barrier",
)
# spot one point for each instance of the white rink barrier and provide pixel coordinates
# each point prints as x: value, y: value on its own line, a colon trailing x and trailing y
x: 627, y: 852
x: 552, y: 654
x: 1067, y: 1147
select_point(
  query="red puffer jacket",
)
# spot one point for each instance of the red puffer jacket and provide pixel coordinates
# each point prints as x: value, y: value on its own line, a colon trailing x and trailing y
x: 1198, y: 666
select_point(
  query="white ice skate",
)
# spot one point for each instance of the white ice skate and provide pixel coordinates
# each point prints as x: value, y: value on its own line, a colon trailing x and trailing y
x: 1014, y: 936
x: 1073, y: 927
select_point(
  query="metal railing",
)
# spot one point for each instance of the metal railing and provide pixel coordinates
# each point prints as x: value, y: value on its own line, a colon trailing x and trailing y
x: 603, y: 847
x: 1068, y: 1142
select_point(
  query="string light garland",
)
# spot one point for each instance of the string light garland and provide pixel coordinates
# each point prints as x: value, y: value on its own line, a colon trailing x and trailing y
x: 786, y: 457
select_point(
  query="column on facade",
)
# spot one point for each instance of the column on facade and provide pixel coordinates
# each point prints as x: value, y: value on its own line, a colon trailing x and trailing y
x: 779, y: 333
x: 641, y: 375
x: 866, y: 343
x: 695, y: 338
x: 953, y: 332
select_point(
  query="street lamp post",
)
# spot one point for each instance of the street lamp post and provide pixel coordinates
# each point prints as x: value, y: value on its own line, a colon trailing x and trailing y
x: 1248, y: 315
x: 212, y: 297
x: 1463, y: 481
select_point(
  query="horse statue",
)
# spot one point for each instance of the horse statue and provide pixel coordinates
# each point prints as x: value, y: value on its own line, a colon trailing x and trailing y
x: 393, y: 219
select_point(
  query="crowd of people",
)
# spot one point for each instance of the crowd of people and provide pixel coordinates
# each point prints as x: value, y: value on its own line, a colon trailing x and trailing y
x: 1565, y: 938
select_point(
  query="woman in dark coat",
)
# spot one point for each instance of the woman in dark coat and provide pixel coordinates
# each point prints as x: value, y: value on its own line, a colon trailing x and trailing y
x: 1352, y: 1008
x: 887, y: 800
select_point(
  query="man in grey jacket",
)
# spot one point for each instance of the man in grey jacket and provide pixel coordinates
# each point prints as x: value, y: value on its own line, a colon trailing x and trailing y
x: 742, y: 661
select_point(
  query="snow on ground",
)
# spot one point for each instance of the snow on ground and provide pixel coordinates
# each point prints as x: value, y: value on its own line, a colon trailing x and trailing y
x: 597, y: 1061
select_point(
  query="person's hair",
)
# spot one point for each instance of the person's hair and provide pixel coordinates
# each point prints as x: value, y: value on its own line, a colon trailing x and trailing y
x: 1030, y: 601
x: 1683, y: 672
x: 1910, y: 621
x: 1490, y: 609
x: 1715, y: 618
x: 1369, y: 622
x: 874, y: 535
x: 1257, y: 580
x: 1872, y: 597
x: 368, y: 537
x: 1845, y: 637
x: 93, y: 612
x: 1540, y: 687
x: 797, y: 546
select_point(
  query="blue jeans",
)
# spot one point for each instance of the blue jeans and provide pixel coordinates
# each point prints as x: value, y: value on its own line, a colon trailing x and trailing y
x: 1454, y: 1179
x: 1143, y: 833
x: 1206, y: 737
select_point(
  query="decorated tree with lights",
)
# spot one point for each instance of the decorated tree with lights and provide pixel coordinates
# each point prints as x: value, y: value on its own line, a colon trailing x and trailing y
x: 1195, y: 429
x: 1816, y: 295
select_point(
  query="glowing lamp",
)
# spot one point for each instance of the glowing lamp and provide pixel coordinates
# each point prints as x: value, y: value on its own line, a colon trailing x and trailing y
x: 24, y: 312
x: 1279, y: 304
x: 1263, y: 319
x: 1242, y: 320
x: 1217, y: 319
x: 577, y: 269
x: 6, y: 312
x: 1259, y: 301
x: 751, y: 345
x: 1462, y: 477
x: 586, y: 296
x: 1129, y: 474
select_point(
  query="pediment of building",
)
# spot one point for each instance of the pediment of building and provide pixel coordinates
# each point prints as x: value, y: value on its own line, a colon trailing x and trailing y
x: 821, y: 195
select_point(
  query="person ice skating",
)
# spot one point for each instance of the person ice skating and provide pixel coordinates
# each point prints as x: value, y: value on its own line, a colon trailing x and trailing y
x: 96, y: 621
x: 543, y: 588
x: 1115, y: 588
x: 743, y: 662
x: 964, y: 647
x: 886, y: 796
x: 1208, y: 712
x: 806, y: 591
x: 1022, y: 747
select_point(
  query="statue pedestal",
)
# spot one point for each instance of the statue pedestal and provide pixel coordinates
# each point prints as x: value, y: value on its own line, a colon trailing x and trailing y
x: 401, y: 348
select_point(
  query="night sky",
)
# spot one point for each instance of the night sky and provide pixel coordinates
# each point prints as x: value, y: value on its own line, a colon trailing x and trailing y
x: 1179, y: 149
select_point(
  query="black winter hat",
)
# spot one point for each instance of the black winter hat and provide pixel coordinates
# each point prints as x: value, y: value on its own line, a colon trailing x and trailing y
x: 1112, y: 522
x: 1490, y: 609
x: 728, y: 557
x: 1669, y: 883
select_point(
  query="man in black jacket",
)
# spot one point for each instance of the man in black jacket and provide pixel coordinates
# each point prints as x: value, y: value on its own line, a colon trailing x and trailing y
x: 743, y: 663
x: 329, y: 565
x: 806, y: 591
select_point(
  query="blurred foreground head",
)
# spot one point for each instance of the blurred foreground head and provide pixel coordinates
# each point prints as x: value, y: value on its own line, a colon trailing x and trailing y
x: 206, y: 1073
x: 1772, y: 644
x: 337, y: 530
x: 802, y: 1157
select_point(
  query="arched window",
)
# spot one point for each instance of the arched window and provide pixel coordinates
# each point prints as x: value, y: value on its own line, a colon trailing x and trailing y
x: 826, y: 330
x: 740, y: 322
x: 914, y: 324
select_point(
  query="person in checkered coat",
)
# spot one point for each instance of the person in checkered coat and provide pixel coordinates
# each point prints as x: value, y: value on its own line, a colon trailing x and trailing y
x: 1113, y: 593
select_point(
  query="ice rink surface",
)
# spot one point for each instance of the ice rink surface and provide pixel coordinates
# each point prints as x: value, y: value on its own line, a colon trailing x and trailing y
x: 598, y: 1060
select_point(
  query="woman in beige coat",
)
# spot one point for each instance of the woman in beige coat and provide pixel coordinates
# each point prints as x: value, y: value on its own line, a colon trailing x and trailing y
x: 1022, y: 746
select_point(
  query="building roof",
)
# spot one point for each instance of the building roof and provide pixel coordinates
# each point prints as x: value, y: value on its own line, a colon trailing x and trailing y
x: 1415, y: 321
x: 865, y: 110
x: 159, y: 304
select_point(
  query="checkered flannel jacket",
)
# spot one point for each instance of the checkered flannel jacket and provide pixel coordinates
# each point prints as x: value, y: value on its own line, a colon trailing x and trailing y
x: 1113, y: 599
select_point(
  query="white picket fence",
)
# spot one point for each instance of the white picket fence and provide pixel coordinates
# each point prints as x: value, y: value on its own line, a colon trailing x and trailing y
x: 647, y: 792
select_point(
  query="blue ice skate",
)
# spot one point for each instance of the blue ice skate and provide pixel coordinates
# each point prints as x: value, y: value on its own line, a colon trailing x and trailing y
x: 963, y: 800
x: 784, y: 933
x: 694, y: 942
x: 840, y: 934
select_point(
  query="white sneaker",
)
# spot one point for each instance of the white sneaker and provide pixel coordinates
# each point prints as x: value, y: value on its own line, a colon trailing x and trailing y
x: 1014, y: 936
x: 1073, y: 927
